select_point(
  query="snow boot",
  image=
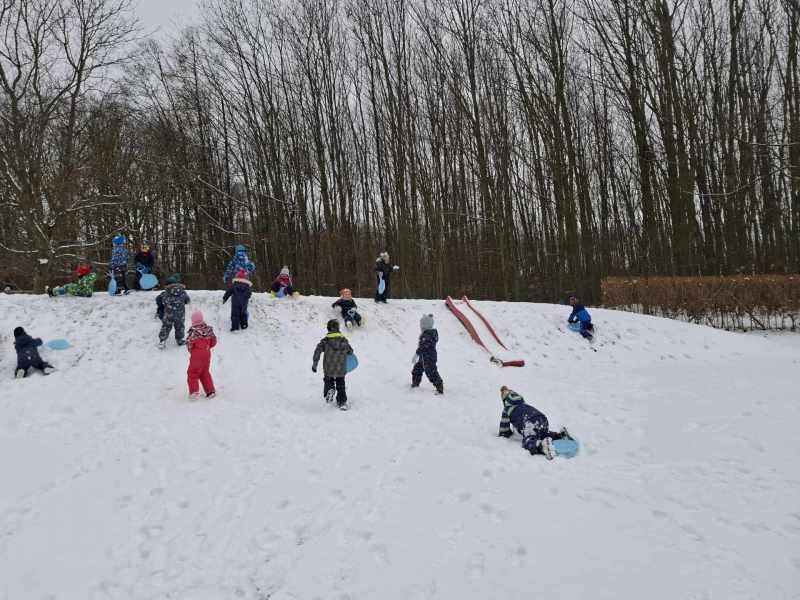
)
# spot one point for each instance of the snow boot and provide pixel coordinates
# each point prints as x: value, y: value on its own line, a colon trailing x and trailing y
x: 565, y: 434
x: 48, y: 369
x: 440, y: 388
x: 194, y: 396
x: 330, y: 396
x: 546, y: 447
x: 49, y: 291
x: 162, y: 344
x: 211, y: 394
x: 181, y: 342
x: 19, y: 373
x: 343, y: 406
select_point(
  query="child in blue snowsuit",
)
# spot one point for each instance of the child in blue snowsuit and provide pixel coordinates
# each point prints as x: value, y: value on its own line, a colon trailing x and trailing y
x: 426, y: 356
x: 239, y: 261
x: 241, y: 292
x: 119, y: 264
x: 581, y: 315
x: 28, y: 355
x: 531, y: 424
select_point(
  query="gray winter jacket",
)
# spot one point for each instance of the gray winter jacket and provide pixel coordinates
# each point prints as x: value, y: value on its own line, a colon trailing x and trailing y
x: 336, y: 348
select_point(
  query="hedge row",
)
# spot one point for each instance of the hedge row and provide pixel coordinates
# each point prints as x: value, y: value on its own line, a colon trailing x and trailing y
x: 739, y: 302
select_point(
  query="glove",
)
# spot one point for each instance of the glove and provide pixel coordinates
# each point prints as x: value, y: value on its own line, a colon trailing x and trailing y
x: 395, y: 268
x: 314, y: 368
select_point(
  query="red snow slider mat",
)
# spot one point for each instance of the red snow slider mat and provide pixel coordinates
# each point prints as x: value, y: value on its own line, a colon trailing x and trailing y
x: 476, y: 338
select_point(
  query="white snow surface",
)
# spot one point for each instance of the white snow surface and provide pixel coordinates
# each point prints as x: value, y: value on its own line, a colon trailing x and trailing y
x: 114, y: 485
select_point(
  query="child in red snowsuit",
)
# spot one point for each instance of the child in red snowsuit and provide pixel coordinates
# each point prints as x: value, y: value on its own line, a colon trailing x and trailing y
x: 199, y: 341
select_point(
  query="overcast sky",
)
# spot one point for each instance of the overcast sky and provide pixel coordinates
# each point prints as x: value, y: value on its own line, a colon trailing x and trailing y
x: 166, y: 15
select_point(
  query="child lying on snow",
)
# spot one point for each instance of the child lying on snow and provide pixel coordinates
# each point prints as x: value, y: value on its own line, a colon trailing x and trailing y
x: 28, y: 355
x: 83, y: 287
x: 531, y: 424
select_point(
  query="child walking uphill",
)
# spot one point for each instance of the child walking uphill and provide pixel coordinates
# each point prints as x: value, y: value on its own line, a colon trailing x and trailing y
x: 199, y: 341
x: 426, y: 357
x: 348, y: 308
x: 28, y: 354
x: 581, y: 315
x: 241, y: 292
x: 334, y: 367
x: 531, y: 424
x: 171, y: 310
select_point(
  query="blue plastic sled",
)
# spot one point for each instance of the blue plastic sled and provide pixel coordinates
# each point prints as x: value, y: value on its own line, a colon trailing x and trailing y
x: 281, y: 292
x: 147, y: 281
x: 352, y: 362
x: 112, y: 286
x: 566, y: 448
x: 59, y: 344
x: 381, y: 284
x: 576, y: 327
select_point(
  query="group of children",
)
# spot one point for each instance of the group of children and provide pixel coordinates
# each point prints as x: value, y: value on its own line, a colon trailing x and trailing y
x: 171, y: 303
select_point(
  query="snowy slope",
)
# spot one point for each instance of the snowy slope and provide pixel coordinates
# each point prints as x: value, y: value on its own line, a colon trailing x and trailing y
x: 113, y: 485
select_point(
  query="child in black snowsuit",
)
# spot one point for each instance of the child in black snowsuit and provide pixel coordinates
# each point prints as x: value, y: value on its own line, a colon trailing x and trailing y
x: 334, y: 367
x: 531, y: 424
x: 348, y: 308
x: 241, y: 290
x: 383, y: 273
x: 171, y: 309
x: 426, y: 356
x: 28, y: 355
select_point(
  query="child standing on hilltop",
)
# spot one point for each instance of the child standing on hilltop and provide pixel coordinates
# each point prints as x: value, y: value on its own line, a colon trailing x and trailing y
x: 348, y: 307
x: 426, y: 358
x: 199, y: 341
x: 119, y: 264
x: 580, y: 315
x: 239, y: 261
x: 241, y: 292
x: 336, y: 348
x: 171, y: 310
x: 145, y: 261
x: 383, y: 272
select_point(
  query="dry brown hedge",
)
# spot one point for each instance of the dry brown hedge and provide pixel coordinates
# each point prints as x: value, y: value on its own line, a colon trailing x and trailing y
x: 738, y: 302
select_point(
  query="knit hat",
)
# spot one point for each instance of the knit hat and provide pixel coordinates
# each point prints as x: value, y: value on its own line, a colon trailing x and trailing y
x: 118, y: 240
x: 240, y: 249
x: 426, y: 322
x: 242, y: 274
x: 18, y: 332
x: 197, y: 318
x: 333, y: 326
x: 384, y: 256
x: 285, y: 270
x: 173, y: 278
x: 83, y: 269
x: 346, y: 294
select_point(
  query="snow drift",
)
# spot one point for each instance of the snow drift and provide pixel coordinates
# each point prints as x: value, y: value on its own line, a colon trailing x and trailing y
x: 114, y: 485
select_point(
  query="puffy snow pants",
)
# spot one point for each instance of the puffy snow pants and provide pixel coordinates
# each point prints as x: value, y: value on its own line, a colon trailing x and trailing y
x: 199, y: 372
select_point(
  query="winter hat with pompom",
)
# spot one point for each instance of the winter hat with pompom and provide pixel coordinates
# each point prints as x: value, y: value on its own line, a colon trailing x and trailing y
x: 18, y: 332
x: 285, y: 270
x: 119, y: 240
x: 197, y: 318
x: 426, y: 322
x: 242, y: 274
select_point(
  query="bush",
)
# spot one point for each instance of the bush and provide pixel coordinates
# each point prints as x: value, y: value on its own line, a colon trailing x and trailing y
x: 739, y: 302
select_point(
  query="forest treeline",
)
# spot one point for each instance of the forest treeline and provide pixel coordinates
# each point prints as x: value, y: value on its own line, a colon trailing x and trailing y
x: 509, y: 149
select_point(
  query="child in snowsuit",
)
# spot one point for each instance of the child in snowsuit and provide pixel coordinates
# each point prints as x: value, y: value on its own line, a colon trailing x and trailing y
x: 199, y: 341
x: 348, y: 308
x: 581, y: 315
x: 383, y: 272
x: 334, y: 367
x: 171, y: 310
x: 28, y: 355
x: 145, y: 261
x: 531, y: 424
x: 83, y: 287
x: 241, y: 292
x: 239, y: 261
x: 119, y: 264
x: 426, y: 356
x: 283, y: 280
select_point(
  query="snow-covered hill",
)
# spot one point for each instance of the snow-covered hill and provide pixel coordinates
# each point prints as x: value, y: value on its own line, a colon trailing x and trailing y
x: 114, y: 485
